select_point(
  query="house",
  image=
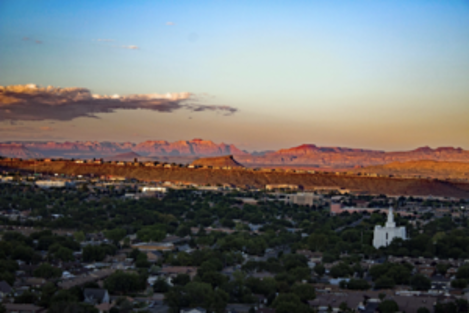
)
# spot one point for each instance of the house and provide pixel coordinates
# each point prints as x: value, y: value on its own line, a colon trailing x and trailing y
x: 22, y: 308
x: 95, y: 296
x: 35, y: 282
x: 238, y: 308
x: 193, y: 310
x: 153, y: 246
x: 5, y: 289
x: 154, y: 256
x: 172, y: 271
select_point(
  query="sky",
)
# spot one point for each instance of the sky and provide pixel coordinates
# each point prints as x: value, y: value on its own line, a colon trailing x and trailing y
x: 389, y: 75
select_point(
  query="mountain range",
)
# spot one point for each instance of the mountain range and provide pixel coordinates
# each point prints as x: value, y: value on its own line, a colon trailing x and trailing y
x: 307, y: 155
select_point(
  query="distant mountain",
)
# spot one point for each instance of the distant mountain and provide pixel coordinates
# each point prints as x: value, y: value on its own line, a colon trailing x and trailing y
x: 124, y: 157
x: 340, y: 157
x: 17, y: 151
x: 195, y: 147
x: 223, y: 161
x: 185, y: 151
x: 88, y: 149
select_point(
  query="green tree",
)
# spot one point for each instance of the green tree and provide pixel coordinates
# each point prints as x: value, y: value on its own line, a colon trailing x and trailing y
x: 420, y: 282
x: 79, y: 236
x: 305, y: 292
x: 121, y: 282
x: 46, y: 270
x: 459, y: 283
x: 340, y: 270
x: 161, y: 286
x: 384, y: 283
x: 358, y: 284
x: 290, y: 303
x: 319, y: 269
x: 388, y: 306
x: 115, y: 235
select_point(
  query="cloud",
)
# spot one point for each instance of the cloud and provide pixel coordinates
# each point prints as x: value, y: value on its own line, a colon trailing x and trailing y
x: 33, y: 103
x: 105, y: 40
x: 130, y: 47
x: 30, y: 39
x: 170, y: 23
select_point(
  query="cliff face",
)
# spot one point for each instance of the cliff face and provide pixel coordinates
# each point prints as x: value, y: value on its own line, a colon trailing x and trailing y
x: 224, y: 161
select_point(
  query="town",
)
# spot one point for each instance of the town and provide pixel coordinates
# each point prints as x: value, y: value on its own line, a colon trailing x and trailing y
x: 114, y: 244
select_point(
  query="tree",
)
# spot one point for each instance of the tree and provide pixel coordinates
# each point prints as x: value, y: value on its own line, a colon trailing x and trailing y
x: 290, y: 303
x: 340, y: 270
x: 26, y: 297
x: 79, y: 236
x: 305, y: 292
x: 344, y: 307
x: 423, y: 310
x: 388, y: 306
x: 115, y: 235
x: 161, y: 286
x: 320, y: 270
x: 214, y: 278
x: 45, y: 270
x: 123, y: 283
x: 358, y: 284
x: 442, y: 268
x: 384, y: 283
x: 181, y: 280
x: 459, y: 283
x: 420, y: 282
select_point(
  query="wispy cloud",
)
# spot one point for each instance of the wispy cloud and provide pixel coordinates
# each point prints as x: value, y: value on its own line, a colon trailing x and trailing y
x: 130, y: 47
x: 170, y: 23
x: 32, y: 40
x: 33, y: 103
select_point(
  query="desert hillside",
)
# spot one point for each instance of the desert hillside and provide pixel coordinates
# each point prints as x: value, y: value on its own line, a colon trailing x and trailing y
x: 423, y: 168
x: 246, y: 177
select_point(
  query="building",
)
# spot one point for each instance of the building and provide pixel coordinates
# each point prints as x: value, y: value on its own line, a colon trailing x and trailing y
x: 383, y: 236
x: 160, y: 189
x: 284, y: 186
x: 46, y: 184
x: 153, y: 246
x: 95, y: 296
x: 302, y: 198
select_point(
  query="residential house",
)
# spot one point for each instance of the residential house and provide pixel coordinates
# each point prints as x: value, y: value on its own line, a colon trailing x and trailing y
x: 5, y: 289
x: 238, y: 308
x: 22, y: 308
x: 95, y: 296
x: 34, y: 282
x: 193, y: 310
x: 153, y: 246
x: 173, y: 271
x: 154, y: 256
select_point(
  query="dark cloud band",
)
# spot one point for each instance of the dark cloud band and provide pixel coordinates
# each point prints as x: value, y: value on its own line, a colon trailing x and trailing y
x: 32, y: 103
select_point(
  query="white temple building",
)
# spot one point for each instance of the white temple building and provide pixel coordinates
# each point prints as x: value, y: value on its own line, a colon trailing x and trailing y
x: 383, y: 236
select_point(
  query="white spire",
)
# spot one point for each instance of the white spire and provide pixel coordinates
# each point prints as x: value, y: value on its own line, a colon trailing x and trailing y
x: 390, y: 221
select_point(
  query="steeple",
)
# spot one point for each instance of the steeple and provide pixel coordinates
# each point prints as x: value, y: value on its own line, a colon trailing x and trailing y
x: 390, y: 221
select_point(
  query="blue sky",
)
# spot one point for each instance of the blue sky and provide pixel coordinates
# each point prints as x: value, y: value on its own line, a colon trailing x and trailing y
x: 373, y: 74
